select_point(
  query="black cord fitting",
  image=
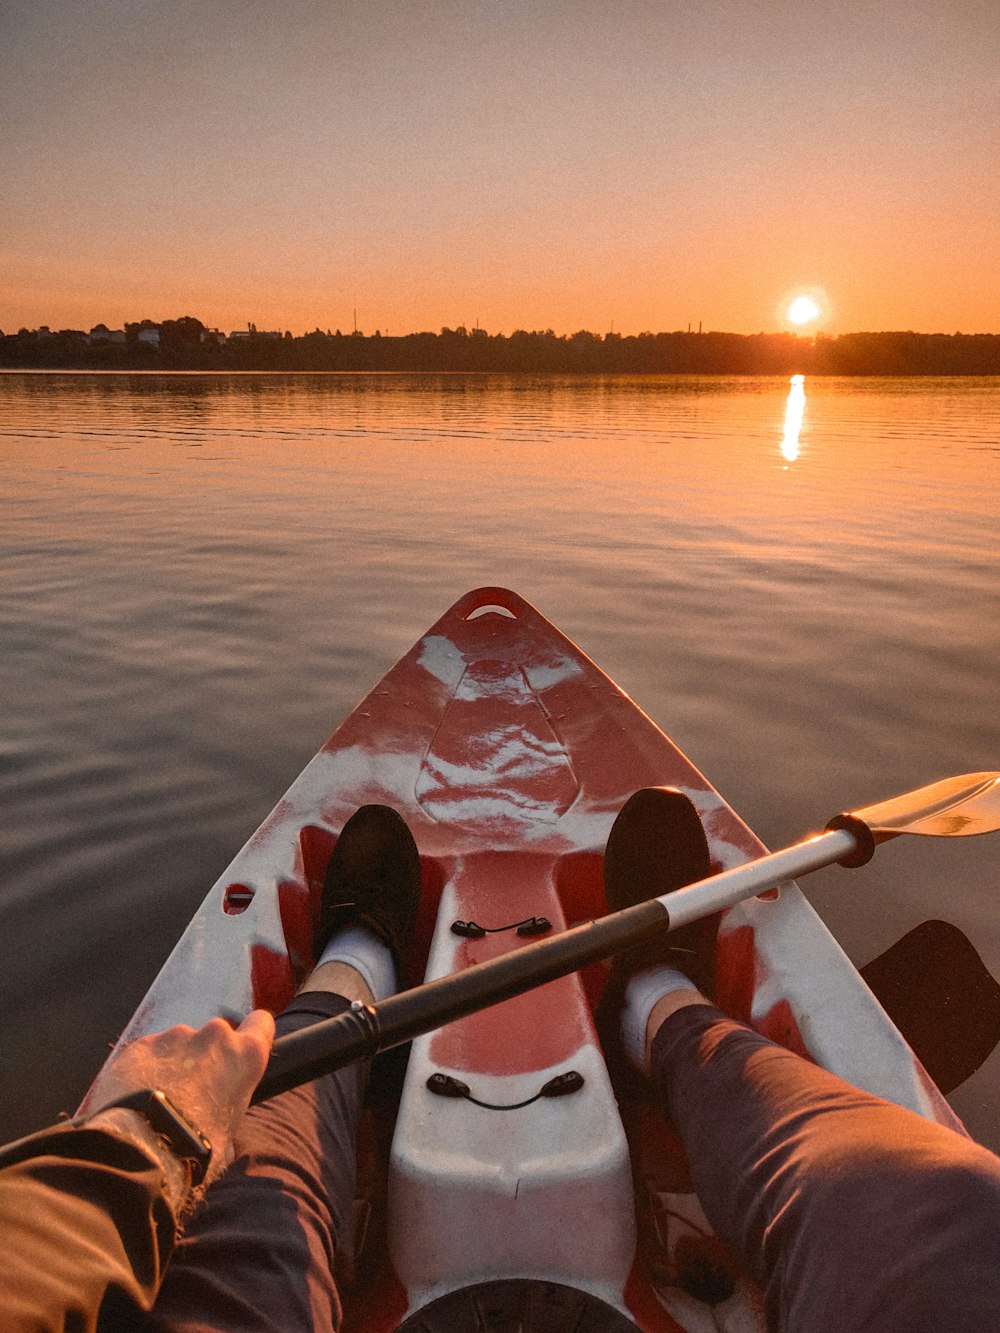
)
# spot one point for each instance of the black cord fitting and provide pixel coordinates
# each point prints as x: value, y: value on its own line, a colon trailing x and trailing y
x: 467, y: 928
x: 443, y: 1085
x: 535, y: 925
x: 563, y: 1084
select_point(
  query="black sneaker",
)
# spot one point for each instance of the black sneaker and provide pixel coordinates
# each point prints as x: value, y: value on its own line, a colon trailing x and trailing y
x: 657, y: 844
x: 373, y: 880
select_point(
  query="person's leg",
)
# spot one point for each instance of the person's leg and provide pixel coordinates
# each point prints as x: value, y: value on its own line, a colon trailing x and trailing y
x: 851, y: 1213
x: 258, y: 1255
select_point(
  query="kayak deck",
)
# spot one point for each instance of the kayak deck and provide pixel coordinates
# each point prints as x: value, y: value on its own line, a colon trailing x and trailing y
x: 509, y: 754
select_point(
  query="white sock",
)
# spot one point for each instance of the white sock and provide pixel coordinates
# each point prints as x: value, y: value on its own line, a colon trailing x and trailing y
x: 641, y: 994
x: 362, y: 949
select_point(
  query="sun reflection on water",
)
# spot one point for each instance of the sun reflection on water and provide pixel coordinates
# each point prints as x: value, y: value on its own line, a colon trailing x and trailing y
x: 793, y: 417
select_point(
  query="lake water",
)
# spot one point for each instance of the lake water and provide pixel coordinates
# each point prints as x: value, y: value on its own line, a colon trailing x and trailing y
x: 202, y: 574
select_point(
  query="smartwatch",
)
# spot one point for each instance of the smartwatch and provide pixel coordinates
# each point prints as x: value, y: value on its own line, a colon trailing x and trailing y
x: 171, y: 1124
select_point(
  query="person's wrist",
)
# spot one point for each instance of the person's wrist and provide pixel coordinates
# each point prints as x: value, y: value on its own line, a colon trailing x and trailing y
x: 131, y: 1124
x: 168, y: 1121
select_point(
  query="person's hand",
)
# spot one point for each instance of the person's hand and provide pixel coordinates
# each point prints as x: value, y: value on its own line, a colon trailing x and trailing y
x: 208, y: 1073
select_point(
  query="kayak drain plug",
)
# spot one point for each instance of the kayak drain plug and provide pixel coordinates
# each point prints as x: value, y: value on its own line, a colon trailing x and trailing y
x: 532, y: 925
x: 443, y: 1085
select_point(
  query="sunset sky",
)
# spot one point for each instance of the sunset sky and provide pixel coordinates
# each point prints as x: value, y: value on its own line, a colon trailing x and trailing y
x: 642, y: 164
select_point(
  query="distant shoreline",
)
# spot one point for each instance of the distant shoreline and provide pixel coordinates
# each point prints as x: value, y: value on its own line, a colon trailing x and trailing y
x: 186, y: 345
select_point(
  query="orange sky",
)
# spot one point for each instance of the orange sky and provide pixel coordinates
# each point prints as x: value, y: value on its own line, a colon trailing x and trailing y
x: 521, y: 163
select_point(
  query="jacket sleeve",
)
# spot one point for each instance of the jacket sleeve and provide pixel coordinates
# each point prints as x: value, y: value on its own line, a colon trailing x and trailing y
x: 87, y: 1229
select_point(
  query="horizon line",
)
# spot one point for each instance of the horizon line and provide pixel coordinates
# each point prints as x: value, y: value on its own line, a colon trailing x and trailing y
x: 463, y: 330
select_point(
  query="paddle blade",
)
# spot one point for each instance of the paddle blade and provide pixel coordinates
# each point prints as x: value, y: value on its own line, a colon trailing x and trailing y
x: 954, y: 807
x: 937, y: 991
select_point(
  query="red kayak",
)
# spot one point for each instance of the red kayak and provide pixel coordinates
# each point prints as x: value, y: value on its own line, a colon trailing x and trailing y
x: 509, y: 754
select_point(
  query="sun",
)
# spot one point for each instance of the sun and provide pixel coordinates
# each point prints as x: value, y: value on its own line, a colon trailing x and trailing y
x: 803, y: 310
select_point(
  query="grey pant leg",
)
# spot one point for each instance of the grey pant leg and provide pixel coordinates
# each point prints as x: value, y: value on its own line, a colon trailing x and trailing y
x: 851, y: 1213
x: 257, y: 1257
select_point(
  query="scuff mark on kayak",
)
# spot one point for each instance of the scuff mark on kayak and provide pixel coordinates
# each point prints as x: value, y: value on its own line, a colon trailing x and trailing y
x: 441, y: 659
x: 543, y: 676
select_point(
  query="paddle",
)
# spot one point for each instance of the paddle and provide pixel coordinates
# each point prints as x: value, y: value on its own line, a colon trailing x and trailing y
x: 955, y: 807
x: 937, y: 991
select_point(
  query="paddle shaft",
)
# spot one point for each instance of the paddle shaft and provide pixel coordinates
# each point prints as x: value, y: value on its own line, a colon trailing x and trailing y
x: 364, y: 1030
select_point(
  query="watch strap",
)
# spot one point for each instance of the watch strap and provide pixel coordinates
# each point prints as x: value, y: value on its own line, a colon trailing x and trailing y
x: 167, y: 1121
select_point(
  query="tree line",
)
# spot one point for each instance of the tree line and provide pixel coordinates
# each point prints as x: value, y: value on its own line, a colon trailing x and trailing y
x: 186, y: 344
